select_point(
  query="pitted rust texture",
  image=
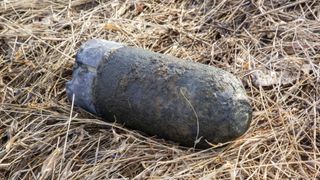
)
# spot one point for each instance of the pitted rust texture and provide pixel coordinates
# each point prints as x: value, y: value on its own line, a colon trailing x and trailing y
x: 174, y: 99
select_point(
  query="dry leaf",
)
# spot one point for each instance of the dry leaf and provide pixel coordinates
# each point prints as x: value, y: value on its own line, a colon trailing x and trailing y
x: 5, y: 166
x: 111, y: 27
x: 267, y: 78
x: 50, y: 162
x: 29, y: 63
x: 10, y: 144
x: 306, y: 68
x: 139, y: 7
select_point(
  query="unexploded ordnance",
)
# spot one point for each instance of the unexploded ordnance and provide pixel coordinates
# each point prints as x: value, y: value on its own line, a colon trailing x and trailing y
x: 183, y: 101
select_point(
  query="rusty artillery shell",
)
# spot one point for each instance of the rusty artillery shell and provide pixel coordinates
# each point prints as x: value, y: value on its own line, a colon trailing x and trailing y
x: 183, y: 101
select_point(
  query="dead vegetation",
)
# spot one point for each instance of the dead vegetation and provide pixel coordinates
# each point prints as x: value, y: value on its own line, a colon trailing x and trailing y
x: 272, y: 46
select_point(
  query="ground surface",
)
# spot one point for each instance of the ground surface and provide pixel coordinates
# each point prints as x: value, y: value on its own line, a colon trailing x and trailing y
x: 272, y: 46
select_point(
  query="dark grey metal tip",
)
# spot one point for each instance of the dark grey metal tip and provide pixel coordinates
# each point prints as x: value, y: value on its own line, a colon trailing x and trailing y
x: 88, y: 59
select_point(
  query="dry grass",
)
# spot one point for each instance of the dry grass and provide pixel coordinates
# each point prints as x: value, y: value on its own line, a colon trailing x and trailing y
x: 42, y: 138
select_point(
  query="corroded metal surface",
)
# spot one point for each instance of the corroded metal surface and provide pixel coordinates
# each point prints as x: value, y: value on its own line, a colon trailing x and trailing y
x: 178, y: 100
